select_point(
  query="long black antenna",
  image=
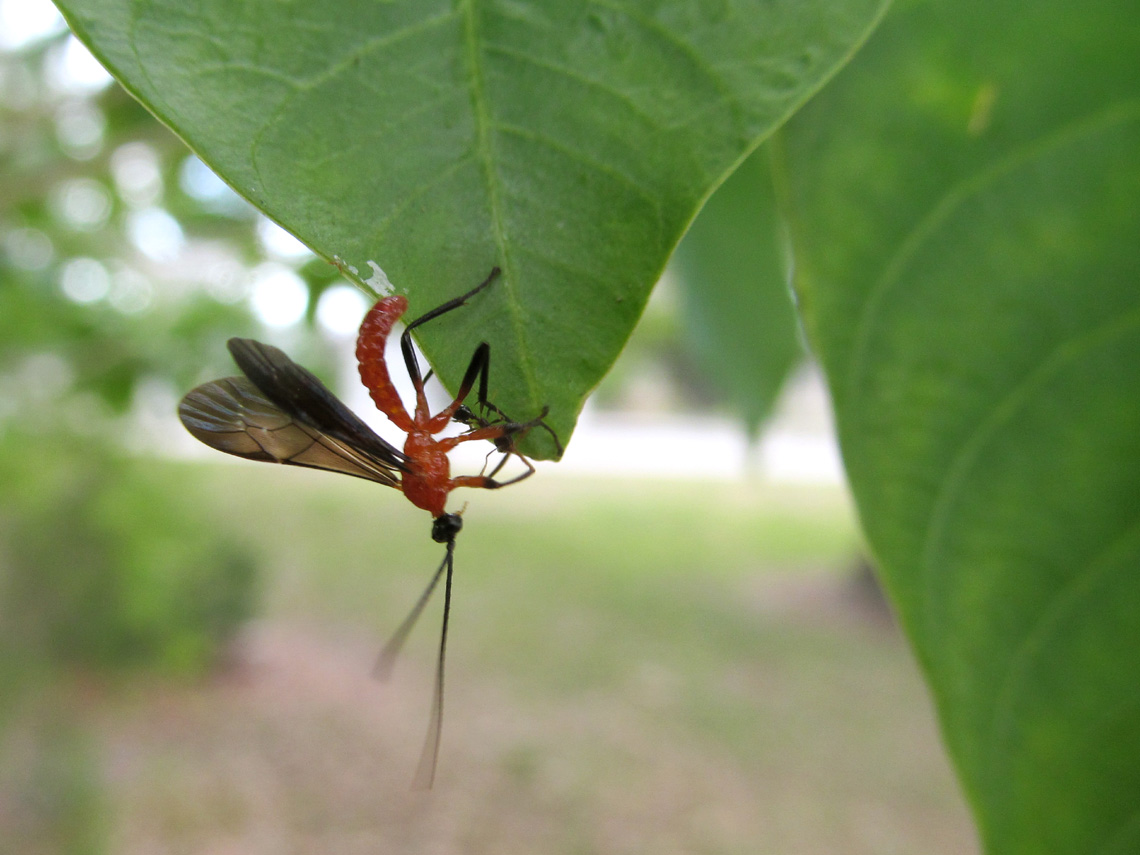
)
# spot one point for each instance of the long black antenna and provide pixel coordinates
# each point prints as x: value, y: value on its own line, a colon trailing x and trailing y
x: 425, y: 771
x: 388, y: 654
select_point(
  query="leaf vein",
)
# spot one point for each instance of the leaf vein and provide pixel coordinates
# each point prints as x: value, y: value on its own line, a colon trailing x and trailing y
x: 581, y: 157
x: 414, y: 194
x: 1064, y: 354
x: 376, y: 43
x: 1047, y: 624
x: 968, y: 186
x: 307, y: 84
x: 484, y: 148
x: 674, y: 40
x: 578, y: 77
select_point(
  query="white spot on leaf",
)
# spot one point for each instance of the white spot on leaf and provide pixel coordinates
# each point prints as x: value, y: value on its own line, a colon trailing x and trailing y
x: 379, y: 280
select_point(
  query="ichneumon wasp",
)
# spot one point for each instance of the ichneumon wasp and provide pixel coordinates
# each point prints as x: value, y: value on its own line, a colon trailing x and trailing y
x: 281, y: 413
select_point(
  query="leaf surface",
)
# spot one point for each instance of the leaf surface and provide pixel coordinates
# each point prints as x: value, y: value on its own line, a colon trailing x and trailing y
x: 569, y: 143
x: 736, y: 298
x: 965, y: 205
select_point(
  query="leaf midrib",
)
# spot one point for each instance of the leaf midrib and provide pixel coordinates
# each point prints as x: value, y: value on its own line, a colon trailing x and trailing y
x: 484, y: 152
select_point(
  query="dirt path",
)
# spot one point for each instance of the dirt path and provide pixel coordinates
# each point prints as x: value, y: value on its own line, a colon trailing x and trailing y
x: 296, y: 750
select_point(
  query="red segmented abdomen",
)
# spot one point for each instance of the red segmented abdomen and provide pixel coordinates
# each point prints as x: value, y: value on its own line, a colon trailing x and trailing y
x: 370, y: 354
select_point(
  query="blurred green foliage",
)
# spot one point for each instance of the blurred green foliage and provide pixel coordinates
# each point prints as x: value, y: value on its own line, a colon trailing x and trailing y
x: 55, y: 801
x: 106, y: 565
x: 102, y: 564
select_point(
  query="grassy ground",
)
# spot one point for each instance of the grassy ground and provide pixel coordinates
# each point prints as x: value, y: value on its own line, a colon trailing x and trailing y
x: 633, y: 668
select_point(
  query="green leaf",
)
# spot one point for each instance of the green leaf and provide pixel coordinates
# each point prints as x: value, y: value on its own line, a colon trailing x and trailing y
x: 568, y: 142
x: 965, y: 204
x: 736, y: 301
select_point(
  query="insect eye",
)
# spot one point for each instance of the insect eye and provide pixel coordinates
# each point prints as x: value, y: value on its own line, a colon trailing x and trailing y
x: 445, y: 527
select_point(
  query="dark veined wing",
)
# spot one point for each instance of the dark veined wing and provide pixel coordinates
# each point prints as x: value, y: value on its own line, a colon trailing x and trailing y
x: 297, y: 391
x: 232, y: 415
x: 316, y: 430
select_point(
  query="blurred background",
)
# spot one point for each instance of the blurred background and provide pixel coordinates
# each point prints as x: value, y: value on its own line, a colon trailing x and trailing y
x: 669, y: 642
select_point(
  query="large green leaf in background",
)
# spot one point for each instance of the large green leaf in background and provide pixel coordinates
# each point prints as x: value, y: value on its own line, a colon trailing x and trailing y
x: 734, y: 291
x: 965, y: 207
x: 568, y: 142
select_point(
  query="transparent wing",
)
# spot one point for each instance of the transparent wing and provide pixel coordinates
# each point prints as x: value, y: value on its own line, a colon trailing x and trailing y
x: 296, y: 391
x: 233, y: 415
